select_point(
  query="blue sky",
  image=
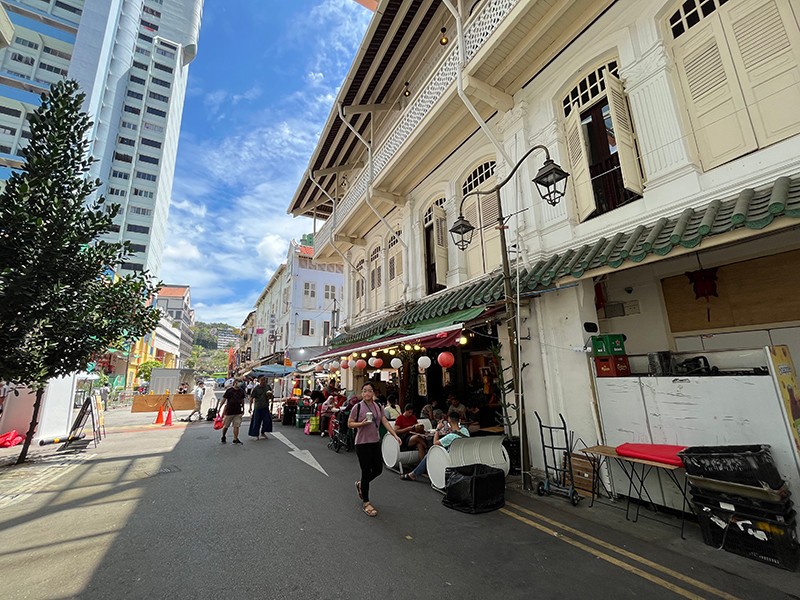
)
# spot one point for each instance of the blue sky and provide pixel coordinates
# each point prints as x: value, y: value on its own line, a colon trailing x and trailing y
x: 260, y: 89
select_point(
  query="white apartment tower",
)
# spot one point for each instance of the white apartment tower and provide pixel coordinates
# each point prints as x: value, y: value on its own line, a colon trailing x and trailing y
x: 131, y: 58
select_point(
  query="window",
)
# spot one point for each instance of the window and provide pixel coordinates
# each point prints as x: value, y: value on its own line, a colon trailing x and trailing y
x: 330, y: 292
x: 68, y: 7
x: 142, y: 51
x: 360, y: 287
x: 27, y: 43
x: 148, y: 159
x: 112, y: 191
x: 160, y: 97
x: 151, y: 143
x: 601, y: 144
x: 142, y: 193
x: 6, y: 130
x: 139, y: 210
x: 137, y: 95
x: 138, y: 247
x: 326, y: 330
x: 25, y: 134
x: 58, y: 53
x: 20, y: 75
x: 131, y: 126
x: 151, y: 11
x: 306, y: 327
x: 22, y: 58
x: 120, y: 174
x: 140, y: 65
x: 138, y: 80
x: 394, y: 267
x: 145, y: 38
x: 138, y: 229
x: 161, y: 67
x: 153, y: 127
x: 166, y: 53
x: 53, y: 69
x: 5, y: 149
x: 148, y: 25
x: 114, y: 227
x: 309, y: 295
x: 126, y: 141
x: 145, y: 176
x: 11, y: 112
x: 156, y: 112
x: 435, y: 239
x: 375, y: 269
x: 161, y: 82
x: 130, y: 266
x: 738, y: 62
x: 123, y: 157
x: 131, y: 109
x: 168, y: 45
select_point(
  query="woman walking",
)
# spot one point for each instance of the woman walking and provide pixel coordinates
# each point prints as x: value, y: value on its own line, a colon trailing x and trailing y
x: 366, y: 418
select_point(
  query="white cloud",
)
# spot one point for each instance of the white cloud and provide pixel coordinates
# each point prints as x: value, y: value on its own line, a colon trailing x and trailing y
x: 228, y: 229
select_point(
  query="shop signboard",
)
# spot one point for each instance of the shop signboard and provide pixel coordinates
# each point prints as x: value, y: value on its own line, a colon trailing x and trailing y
x: 785, y: 377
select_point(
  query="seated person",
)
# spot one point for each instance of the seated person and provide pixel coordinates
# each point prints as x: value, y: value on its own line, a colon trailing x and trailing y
x: 440, y: 423
x: 429, y: 409
x: 458, y: 431
x: 326, y: 412
x: 407, y: 428
x: 317, y: 400
x: 392, y: 410
x: 455, y: 404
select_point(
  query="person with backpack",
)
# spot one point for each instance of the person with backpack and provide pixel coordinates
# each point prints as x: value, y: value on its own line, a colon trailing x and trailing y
x: 457, y: 430
x: 366, y: 418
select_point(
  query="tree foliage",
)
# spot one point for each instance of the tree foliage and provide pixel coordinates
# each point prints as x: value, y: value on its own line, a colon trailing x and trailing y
x: 59, y: 301
x: 145, y: 370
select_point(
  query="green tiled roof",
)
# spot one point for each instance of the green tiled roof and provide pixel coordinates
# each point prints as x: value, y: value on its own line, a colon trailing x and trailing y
x: 750, y: 209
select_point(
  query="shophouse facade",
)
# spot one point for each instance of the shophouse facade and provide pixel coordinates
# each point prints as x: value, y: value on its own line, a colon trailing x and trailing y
x: 175, y: 301
x: 675, y: 121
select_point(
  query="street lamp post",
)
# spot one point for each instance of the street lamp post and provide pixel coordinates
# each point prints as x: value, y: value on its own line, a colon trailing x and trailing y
x: 551, y: 181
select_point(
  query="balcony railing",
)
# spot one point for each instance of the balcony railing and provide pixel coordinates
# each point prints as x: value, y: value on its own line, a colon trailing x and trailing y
x: 480, y: 28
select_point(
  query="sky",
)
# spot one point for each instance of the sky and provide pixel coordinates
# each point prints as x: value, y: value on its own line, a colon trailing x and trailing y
x: 263, y: 83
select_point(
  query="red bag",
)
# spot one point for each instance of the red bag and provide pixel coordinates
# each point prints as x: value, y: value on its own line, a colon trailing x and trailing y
x: 12, y: 438
x: 219, y: 421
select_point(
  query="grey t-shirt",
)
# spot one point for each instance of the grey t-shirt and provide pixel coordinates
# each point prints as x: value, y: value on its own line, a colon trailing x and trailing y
x: 261, y: 397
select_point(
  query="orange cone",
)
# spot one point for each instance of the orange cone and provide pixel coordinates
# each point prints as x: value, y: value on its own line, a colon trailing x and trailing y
x: 160, y: 418
x: 168, y: 421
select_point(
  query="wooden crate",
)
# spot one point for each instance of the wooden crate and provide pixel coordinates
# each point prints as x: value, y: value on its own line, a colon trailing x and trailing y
x: 582, y: 470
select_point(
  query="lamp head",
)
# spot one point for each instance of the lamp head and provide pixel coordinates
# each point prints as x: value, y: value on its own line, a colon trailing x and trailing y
x: 552, y: 182
x: 443, y: 39
x: 406, y: 91
x: 462, y: 232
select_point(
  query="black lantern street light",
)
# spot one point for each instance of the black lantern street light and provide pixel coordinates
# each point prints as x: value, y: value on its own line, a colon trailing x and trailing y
x: 551, y: 181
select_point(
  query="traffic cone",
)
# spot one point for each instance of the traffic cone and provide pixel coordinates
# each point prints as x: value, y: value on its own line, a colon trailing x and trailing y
x: 168, y: 421
x: 160, y: 418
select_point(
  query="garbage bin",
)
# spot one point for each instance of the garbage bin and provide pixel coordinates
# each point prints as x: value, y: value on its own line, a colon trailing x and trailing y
x: 474, y: 488
x: 289, y: 414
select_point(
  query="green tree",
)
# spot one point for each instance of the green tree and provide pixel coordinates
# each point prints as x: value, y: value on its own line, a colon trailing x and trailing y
x: 60, y: 303
x: 145, y: 369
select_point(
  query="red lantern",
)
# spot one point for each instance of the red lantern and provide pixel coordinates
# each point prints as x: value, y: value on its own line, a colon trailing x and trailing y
x: 377, y: 363
x: 361, y: 364
x: 318, y: 368
x: 344, y: 364
x: 446, y: 360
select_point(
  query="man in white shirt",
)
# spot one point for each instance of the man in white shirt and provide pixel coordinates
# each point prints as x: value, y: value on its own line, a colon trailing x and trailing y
x: 199, y: 394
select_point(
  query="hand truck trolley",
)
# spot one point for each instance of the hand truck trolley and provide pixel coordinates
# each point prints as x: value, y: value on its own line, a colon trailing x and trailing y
x: 557, y: 480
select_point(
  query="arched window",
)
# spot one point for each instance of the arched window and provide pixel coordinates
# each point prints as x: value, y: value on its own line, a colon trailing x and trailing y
x: 434, y: 224
x: 482, y: 211
x: 360, y: 289
x: 394, y: 269
x: 604, y: 158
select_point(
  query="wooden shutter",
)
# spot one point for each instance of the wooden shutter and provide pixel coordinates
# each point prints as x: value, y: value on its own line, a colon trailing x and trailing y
x: 712, y: 95
x: 440, y: 244
x: 392, y: 271
x: 581, y: 180
x: 764, y: 41
x: 623, y: 134
x: 490, y: 210
x: 474, y: 251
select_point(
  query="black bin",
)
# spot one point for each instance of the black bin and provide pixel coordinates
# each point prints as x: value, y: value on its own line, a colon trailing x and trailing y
x: 289, y: 414
x: 747, y: 465
x: 474, y: 488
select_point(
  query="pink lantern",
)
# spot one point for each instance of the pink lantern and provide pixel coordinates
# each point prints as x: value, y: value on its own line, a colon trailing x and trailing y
x: 318, y: 368
x: 446, y: 360
x: 344, y: 365
x: 377, y: 363
x: 361, y: 364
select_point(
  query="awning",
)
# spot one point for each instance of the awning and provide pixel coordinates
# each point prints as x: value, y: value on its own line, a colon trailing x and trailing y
x: 273, y: 370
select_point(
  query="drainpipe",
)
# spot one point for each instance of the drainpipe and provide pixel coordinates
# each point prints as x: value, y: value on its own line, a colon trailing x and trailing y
x: 462, y: 62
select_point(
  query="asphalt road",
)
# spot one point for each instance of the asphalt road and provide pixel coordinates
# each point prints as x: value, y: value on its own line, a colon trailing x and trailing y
x: 172, y: 513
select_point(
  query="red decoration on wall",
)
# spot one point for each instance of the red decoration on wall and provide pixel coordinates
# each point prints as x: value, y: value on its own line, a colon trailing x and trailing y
x: 704, y: 283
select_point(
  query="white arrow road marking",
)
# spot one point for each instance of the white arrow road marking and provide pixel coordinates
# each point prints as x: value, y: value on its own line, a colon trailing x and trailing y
x: 304, y: 455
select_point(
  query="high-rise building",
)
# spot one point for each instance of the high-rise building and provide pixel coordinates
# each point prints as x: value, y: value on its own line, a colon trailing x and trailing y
x: 131, y: 58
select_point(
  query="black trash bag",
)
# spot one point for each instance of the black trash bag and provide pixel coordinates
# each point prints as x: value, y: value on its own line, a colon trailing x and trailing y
x: 474, y: 488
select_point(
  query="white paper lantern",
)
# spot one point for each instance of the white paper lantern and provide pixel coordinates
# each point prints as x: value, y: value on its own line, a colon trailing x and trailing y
x: 371, y: 361
x: 351, y: 363
x: 424, y: 362
x: 396, y: 363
